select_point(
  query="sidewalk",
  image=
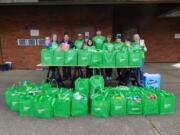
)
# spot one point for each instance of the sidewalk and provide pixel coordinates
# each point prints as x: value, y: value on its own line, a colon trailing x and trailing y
x: 12, y: 124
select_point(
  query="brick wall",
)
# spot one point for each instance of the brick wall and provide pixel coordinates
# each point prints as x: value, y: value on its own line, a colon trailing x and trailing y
x: 16, y: 22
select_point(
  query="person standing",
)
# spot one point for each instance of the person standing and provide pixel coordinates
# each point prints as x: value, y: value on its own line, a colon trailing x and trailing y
x: 66, y: 44
x: 54, y: 43
x: 139, y: 44
x: 79, y: 44
x: 90, y: 47
x: 98, y: 40
x: 48, y: 42
x: 108, y: 46
x: 118, y: 45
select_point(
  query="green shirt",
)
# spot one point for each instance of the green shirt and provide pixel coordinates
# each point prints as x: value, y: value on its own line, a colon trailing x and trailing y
x: 90, y: 48
x: 108, y: 46
x: 118, y: 45
x: 79, y: 43
x: 98, y: 41
x: 54, y: 45
x: 136, y: 46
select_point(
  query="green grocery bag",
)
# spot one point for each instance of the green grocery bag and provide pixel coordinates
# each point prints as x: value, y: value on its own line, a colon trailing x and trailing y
x: 118, y: 104
x: 121, y: 59
x: 150, y: 103
x: 97, y: 58
x: 79, y: 104
x: 82, y: 86
x: 96, y: 83
x: 108, y: 59
x: 59, y: 57
x: 26, y: 107
x: 70, y: 57
x: 100, y: 105
x: 134, y: 104
x: 135, y: 58
x: 47, y: 56
x: 84, y: 57
x: 62, y: 105
x: 167, y: 103
x: 43, y: 107
x: 14, y: 102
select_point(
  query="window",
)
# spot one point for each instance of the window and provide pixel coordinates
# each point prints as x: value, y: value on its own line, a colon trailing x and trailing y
x: 41, y: 42
x: 31, y: 42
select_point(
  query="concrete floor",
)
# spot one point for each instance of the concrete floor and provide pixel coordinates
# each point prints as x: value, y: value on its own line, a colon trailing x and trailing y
x: 12, y: 124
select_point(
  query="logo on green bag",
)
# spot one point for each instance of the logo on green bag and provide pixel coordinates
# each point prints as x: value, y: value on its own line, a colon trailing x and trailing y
x: 97, y: 109
x: 41, y: 110
x: 14, y: 103
x: 166, y: 106
x: 58, y: 58
x: 118, y: 107
x: 47, y: 58
x: 26, y: 108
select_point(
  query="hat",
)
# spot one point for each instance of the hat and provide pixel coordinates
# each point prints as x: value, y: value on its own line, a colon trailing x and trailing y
x: 118, y: 35
x: 79, y: 33
x: 66, y: 33
x: 98, y: 29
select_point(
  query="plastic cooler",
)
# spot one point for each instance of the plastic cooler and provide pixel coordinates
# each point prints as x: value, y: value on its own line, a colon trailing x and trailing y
x: 152, y: 80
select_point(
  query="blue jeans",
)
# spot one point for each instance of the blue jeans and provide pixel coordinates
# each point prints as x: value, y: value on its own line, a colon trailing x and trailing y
x: 140, y: 73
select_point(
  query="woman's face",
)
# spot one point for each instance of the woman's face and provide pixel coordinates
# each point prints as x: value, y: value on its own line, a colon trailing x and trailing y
x: 89, y: 42
x: 109, y: 38
x: 47, y: 40
x: 118, y: 40
x: 54, y: 37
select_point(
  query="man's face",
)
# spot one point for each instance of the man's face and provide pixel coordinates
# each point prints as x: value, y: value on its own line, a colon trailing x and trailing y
x: 54, y: 37
x: 108, y: 38
x: 66, y: 37
x: 98, y: 32
x: 136, y: 38
x: 80, y: 36
x: 118, y: 40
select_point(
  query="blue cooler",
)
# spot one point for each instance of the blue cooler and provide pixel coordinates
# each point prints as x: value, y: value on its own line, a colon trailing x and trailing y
x: 152, y: 80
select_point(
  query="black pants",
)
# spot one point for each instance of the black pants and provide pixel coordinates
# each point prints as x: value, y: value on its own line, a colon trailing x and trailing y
x: 89, y: 72
x: 67, y: 72
x: 108, y: 72
x: 79, y: 72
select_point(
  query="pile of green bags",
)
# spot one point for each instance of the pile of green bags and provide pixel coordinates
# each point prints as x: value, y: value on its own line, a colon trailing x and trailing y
x: 45, y: 101
x: 93, y: 58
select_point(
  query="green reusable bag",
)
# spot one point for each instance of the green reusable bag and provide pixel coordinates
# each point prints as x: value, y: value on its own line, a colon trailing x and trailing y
x: 14, y: 101
x: 26, y: 107
x: 43, y: 107
x: 79, y: 105
x: 121, y: 59
x: 118, y: 104
x: 97, y: 59
x: 59, y: 57
x: 134, y: 104
x: 96, y: 83
x: 82, y: 86
x: 62, y: 105
x: 70, y: 57
x: 150, y: 103
x: 84, y: 57
x: 100, y: 106
x: 108, y: 59
x: 135, y: 58
x: 47, y: 56
x: 167, y: 103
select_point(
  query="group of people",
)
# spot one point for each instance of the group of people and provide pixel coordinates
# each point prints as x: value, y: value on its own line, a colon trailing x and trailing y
x: 100, y: 42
